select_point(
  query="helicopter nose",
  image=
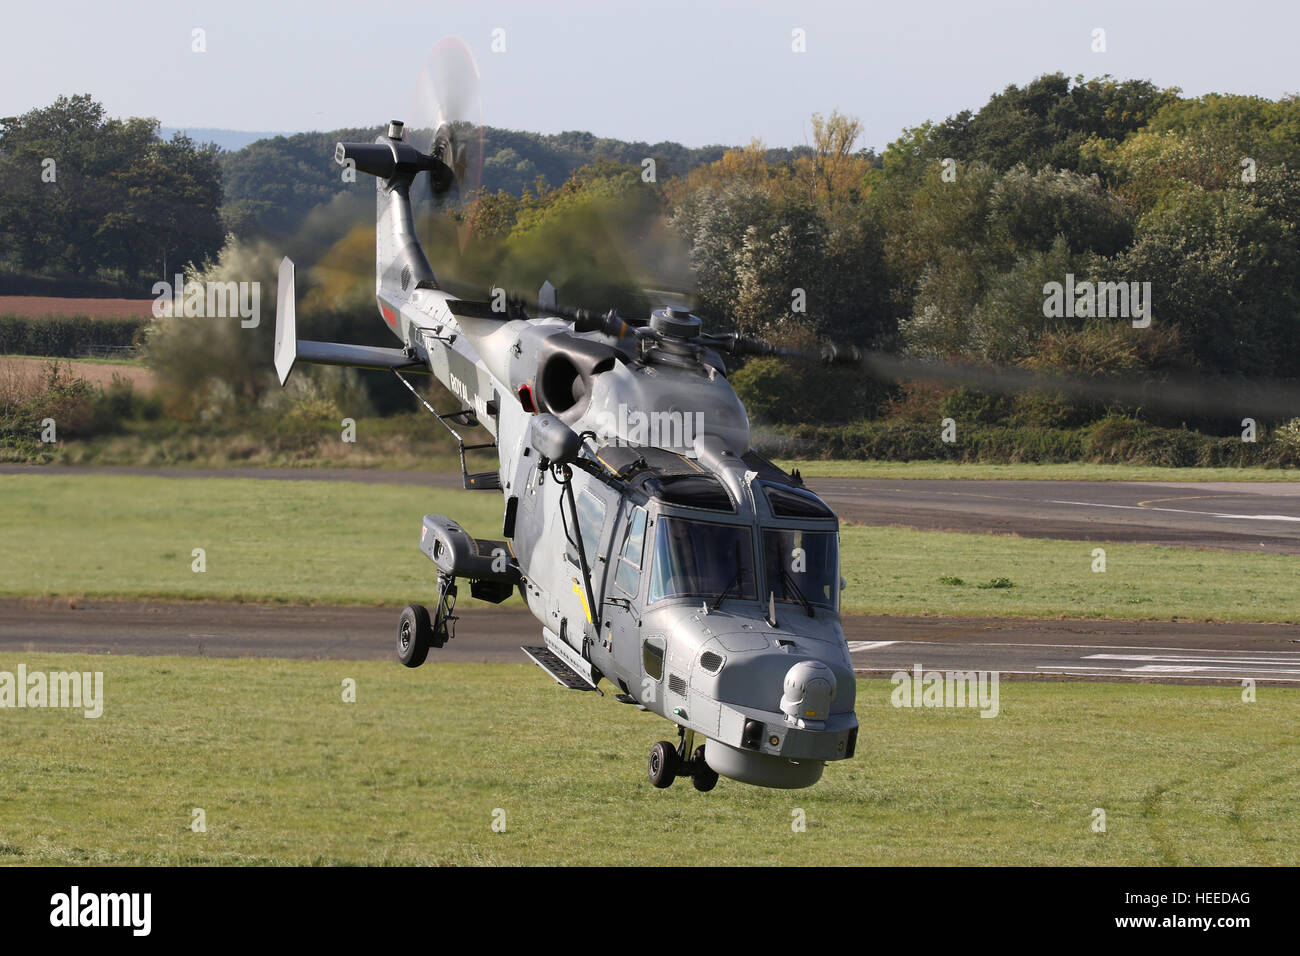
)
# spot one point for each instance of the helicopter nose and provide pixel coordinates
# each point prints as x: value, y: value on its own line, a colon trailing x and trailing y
x: 809, y: 690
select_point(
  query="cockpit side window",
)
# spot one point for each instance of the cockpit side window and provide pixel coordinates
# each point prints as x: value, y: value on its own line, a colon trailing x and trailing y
x: 591, y: 519
x: 628, y: 576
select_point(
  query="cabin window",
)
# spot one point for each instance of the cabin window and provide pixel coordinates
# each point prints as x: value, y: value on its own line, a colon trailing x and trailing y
x: 628, y: 576
x: 591, y: 518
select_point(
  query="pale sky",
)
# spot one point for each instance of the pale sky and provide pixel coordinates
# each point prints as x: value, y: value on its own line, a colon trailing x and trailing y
x: 697, y: 72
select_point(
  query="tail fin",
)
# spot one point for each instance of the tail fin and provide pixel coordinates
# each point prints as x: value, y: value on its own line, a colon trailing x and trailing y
x: 400, y: 261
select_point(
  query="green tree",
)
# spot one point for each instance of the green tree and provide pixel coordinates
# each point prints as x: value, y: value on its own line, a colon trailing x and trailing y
x: 1212, y: 142
x: 115, y: 197
x: 976, y: 252
x: 1046, y: 122
x: 1224, y: 268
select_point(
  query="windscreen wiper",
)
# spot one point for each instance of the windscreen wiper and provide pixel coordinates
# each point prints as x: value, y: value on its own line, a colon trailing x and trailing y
x: 789, y: 579
x: 737, y: 580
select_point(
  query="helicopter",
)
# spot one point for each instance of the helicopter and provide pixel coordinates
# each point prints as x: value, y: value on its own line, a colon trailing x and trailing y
x: 658, y: 550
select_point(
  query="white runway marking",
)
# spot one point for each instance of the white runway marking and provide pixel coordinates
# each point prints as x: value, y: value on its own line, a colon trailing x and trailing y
x: 1047, y: 671
x: 1180, y: 511
x: 855, y: 646
x: 1178, y: 670
x: 1094, y: 660
x: 1185, y: 659
x: 1098, y: 647
x: 1198, y: 668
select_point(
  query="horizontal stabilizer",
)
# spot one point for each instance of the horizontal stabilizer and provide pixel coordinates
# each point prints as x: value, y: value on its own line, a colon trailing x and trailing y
x: 289, y: 350
x: 357, y: 356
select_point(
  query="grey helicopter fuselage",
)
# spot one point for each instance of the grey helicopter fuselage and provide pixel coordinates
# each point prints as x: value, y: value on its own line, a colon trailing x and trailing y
x: 656, y: 548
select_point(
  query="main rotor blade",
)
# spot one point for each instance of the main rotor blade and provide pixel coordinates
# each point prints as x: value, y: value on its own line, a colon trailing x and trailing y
x: 1210, y: 396
x: 1207, y: 396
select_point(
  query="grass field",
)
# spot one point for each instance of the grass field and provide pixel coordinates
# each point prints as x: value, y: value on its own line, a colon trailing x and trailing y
x: 351, y: 543
x: 901, y: 571
x: 145, y: 447
x: 1072, y: 471
x: 96, y: 371
x: 83, y: 360
x: 416, y: 769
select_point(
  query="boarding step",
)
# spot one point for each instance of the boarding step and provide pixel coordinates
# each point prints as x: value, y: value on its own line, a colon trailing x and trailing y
x: 565, y: 675
x: 482, y: 481
x: 477, y: 480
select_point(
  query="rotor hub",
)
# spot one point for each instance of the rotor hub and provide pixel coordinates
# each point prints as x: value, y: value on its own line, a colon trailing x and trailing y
x: 674, y: 324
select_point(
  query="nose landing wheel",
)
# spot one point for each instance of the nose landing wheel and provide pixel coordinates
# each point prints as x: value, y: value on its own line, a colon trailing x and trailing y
x: 667, y: 763
x: 664, y: 764
x: 703, y: 777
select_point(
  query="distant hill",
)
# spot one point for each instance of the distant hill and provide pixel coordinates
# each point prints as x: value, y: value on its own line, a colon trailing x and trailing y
x: 272, y: 184
x: 228, y: 139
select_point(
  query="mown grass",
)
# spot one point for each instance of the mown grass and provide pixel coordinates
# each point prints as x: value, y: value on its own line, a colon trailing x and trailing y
x: 1071, y: 471
x: 419, y: 767
x: 901, y: 571
x: 285, y: 541
x: 351, y: 543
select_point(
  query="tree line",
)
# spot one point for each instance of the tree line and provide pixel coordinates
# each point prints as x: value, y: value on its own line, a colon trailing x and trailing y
x: 942, y: 248
x: 86, y: 194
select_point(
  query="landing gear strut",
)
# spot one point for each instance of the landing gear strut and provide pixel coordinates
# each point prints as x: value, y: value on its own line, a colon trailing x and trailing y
x: 444, y: 621
x: 667, y: 763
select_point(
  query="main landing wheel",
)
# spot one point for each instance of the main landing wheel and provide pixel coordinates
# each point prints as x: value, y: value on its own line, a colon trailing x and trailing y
x: 663, y: 764
x: 414, y: 635
x: 703, y: 777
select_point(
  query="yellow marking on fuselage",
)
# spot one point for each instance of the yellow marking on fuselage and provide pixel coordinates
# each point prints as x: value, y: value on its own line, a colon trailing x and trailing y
x: 582, y: 596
